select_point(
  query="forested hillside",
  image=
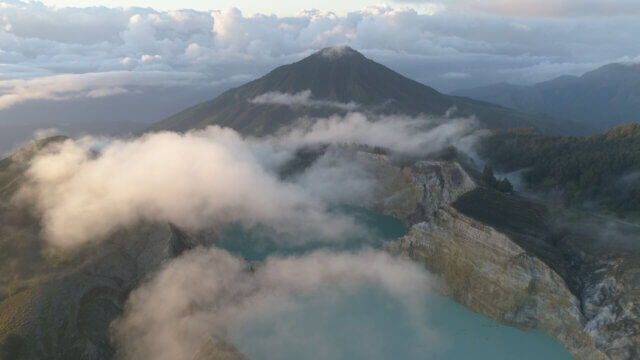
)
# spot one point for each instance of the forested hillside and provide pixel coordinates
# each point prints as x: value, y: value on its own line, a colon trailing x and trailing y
x: 601, y: 170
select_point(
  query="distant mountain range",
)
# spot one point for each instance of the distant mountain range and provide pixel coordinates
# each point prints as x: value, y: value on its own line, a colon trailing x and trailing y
x: 334, y: 81
x: 602, y: 98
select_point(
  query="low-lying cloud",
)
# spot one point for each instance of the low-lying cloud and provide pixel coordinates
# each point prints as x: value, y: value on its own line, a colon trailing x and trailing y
x: 301, y: 99
x: 87, y: 189
x: 197, y: 180
x: 190, y: 305
x: 400, y: 134
x: 339, y: 177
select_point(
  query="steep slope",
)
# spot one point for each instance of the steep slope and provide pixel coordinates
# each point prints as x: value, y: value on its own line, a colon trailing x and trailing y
x: 338, y: 80
x: 58, y: 305
x: 602, y: 98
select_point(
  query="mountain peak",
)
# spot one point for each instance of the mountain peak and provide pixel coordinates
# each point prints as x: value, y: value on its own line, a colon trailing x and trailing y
x: 337, y: 52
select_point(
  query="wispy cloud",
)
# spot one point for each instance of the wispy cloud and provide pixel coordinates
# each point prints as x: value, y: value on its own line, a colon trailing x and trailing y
x: 400, y: 134
x: 455, y: 75
x: 89, y: 85
x: 301, y: 99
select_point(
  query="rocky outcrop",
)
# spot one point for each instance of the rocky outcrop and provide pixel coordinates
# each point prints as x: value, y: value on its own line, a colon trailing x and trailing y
x: 487, y: 269
x: 611, y: 303
x: 414, y: 191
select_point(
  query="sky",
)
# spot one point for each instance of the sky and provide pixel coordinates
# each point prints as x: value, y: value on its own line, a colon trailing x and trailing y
x: 115, y: 56
x: 538, y: 8
x: 278, y: 7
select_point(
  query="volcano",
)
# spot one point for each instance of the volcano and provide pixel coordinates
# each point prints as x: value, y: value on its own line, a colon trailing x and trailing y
x: 337, y: 80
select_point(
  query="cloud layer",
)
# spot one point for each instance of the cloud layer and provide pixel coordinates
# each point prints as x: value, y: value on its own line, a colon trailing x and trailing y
x: 194, y: 300
x: 403, y: 135
x: 518, y: 45
x: 88, y: 85
x: 89, y: 188
x: 195, y: 181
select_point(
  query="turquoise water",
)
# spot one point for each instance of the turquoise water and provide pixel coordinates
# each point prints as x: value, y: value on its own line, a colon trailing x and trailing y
x: 258, y: 242
x: 368, y: 323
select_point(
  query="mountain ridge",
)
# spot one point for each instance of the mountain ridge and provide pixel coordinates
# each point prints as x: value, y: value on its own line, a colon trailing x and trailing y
x: 602, y: 98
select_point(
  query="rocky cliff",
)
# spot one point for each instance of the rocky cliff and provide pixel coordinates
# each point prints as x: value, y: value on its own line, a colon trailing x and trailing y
x: 511, y: 271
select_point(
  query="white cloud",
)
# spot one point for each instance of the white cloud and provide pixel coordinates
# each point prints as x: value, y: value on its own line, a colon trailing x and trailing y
x: 89, y: 188
x: 84, y: 197
x: 405, y: 135
x: 303, y: 99
x: 197, y: 297
x: 45, y: 133
x: 335, y: 51
x: 37, y: 40
x: 88, y: 85
x: 102, y: 92
x: 340, y: 177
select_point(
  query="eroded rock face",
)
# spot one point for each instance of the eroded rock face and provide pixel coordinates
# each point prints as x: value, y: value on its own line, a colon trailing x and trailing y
x: 611, y: 303
x: 415, y: 190
x: 488, y: 272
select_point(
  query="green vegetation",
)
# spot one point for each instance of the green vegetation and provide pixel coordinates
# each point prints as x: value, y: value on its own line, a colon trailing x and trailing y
x: 509, y: 213
x: 490, y: 180
x: 602, y: 169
